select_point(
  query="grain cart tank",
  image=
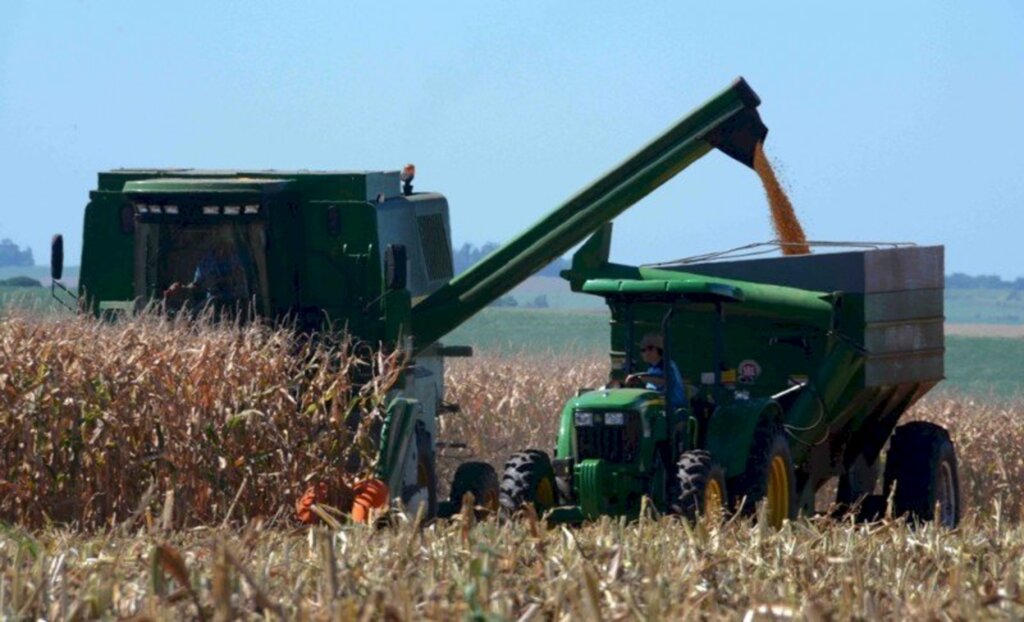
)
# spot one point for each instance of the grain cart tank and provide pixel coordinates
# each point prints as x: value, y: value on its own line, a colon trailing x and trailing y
x: 797, y: 369
x: 359, y: 251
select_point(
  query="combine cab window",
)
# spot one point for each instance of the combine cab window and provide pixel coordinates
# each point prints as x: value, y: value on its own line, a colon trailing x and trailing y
x: 221, y: 264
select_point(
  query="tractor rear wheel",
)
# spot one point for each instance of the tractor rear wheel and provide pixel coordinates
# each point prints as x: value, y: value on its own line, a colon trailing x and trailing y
x: 700, y: 486
x: 921, y: 466
x: 528, y: 479
x: 478, y: 479
x: 769, y: 477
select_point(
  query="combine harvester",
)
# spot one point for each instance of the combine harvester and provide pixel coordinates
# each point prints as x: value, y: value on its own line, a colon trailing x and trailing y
x: 361, y: 251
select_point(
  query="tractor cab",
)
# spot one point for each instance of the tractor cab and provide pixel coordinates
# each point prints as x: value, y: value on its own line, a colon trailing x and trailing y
x: 654, y: 304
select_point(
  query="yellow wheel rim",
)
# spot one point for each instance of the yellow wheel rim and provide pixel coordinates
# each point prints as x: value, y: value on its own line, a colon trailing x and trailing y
x: 778, y: 492
x: 490, y: 500
x: 714, y: 505
x: 545, y: 494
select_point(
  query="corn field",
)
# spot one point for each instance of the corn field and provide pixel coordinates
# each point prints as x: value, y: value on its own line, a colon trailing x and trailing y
x: 149, y: 469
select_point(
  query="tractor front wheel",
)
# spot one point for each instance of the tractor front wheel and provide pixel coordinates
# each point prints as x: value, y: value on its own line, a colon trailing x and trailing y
x: 528, y: 479
x: 700, y: 486
x: 769, y: 477
x: 478, y: 479
x: 921, y: 466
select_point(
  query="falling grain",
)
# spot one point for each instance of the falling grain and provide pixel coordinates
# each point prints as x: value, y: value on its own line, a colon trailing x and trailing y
x: 787, y: 226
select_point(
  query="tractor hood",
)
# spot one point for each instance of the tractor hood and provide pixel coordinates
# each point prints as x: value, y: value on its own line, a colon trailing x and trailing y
x: 615, y: 399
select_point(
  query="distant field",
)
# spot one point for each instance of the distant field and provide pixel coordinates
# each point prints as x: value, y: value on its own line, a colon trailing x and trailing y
x: 32, y: 298
x: 42, y: 273
x: 984, y: 306
x: 1012, y: 331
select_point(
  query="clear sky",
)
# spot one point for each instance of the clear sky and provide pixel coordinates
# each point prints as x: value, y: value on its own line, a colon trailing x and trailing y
x: 889, y: 121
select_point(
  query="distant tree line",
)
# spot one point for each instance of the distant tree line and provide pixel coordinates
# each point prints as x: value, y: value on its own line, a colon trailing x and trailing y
x: 469, y: 254
x: 11, y: 255
x: 959, y: 280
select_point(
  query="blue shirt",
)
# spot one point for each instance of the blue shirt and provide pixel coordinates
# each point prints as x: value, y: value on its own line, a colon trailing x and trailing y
x: 678, y: 397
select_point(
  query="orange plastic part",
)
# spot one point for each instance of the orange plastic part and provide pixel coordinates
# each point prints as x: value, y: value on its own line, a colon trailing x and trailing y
x: 334, y: 493
x: 316, y: 493
x: 371, y: 494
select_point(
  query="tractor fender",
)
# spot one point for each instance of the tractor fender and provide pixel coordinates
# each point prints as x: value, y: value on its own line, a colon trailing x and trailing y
x: 731, y: 431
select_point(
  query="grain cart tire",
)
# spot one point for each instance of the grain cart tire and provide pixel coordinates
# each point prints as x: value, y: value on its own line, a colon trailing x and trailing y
x: 769, y: 477
x: 479, y: 479
x: 921, y: 466
x: 528, y: 478
x: 700, y: 486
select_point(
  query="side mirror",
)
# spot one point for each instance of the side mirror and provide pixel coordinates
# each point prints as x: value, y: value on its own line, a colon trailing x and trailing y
x: 57, y: 257
x: 396, y: 267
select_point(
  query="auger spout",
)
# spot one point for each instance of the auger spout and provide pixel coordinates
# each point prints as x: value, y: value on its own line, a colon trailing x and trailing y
x: 728, y: 122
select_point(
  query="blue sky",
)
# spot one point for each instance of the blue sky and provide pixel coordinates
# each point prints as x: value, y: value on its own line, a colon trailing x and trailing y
x: 889, y: 121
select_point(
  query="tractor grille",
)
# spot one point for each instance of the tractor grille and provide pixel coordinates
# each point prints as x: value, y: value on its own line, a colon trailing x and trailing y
x: 614, y: 443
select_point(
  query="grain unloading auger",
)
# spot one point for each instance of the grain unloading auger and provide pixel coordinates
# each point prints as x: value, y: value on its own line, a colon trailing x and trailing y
x: 728, y: 122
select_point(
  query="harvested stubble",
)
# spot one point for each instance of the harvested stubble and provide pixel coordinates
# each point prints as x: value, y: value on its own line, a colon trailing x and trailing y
x: 655, y: 568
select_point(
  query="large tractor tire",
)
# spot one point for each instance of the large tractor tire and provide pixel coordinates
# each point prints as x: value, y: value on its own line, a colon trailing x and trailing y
x: 769, y: 477
x: 479, y: 479
x: 921, y: 466
x: 528, y: 479
x: 700, y: 486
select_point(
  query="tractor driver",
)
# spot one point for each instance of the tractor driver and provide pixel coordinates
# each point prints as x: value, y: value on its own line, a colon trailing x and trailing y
x: 652, y: 350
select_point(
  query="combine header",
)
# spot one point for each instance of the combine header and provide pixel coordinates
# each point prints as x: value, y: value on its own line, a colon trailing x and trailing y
x: 363, y: 252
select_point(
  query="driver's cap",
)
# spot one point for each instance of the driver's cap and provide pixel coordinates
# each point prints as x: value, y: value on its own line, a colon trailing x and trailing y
x: 652, y: 339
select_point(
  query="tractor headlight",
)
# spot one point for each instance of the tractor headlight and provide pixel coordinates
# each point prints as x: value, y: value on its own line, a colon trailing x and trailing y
x: 584, y: 419
x: 615, y: 419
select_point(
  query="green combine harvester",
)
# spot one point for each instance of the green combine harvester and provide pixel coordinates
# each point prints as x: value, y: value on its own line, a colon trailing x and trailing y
x: 805, y: 366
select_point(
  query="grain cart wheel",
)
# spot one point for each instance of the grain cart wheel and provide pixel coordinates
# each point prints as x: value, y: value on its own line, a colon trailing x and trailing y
x: 769, y: 477
x: 700, y: 486
x: 479, y: 479
x: 528, y: 478
x: 921, y: 465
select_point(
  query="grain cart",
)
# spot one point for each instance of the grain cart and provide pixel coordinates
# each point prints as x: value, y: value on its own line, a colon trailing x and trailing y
x: 798, y: 370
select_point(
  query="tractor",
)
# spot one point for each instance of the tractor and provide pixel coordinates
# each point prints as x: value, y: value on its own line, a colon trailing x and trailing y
x: 797, y: 370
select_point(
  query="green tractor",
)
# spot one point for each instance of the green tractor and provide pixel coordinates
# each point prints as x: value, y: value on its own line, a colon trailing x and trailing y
x: 621, y: 443
x: 795, y: 370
